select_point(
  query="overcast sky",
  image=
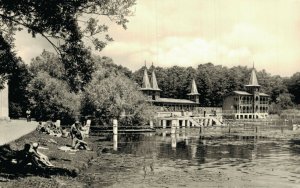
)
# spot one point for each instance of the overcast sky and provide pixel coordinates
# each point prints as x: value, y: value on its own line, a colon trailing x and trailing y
x: 187, y: 33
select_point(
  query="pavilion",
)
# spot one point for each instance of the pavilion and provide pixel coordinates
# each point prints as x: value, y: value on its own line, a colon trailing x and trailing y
x: 152, y: 92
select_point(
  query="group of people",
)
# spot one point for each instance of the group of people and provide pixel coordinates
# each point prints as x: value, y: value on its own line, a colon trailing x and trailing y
x: 76, y: 133
x: 51, y: 129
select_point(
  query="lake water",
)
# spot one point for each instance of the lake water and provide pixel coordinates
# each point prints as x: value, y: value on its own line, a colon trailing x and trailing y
x: 188, y: 159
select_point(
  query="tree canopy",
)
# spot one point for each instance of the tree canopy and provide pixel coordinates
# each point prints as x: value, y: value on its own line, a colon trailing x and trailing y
x: 66, y: 25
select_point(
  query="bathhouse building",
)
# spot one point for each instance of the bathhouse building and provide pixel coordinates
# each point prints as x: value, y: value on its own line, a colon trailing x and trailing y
x: 152, y: 91
x: 248, y: 104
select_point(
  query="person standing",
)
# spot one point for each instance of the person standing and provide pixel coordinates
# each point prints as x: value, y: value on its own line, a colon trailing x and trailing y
x: 28, y: 115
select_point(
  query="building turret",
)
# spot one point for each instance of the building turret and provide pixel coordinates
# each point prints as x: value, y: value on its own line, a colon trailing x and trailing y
x: 254, y: 88
x: 155, y: 88
x: 146, y: 86
x: 146, y: 83
x: 194, y: 95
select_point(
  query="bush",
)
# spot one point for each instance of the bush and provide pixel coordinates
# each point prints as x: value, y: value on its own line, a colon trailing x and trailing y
x: 15, y: 110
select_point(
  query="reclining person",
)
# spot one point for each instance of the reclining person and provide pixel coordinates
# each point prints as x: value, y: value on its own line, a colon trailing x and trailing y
x: 39, y: 158
x: 30, y: 154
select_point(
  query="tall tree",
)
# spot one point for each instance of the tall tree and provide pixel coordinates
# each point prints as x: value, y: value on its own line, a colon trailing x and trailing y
x: 69, y: 22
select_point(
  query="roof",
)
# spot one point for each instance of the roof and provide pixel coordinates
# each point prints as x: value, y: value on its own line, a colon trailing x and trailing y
x: 146, y: 83
x: 194, y: 90
x: 149, y: 89
x: 241, y: 93
x: 246, y: 93
x: 263, y: 94
x: 171, y: 100
x: 253, y: 79
x: 154, y: 82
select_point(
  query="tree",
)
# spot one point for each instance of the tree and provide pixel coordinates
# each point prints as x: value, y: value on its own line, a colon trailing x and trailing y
x: 107, y: 67
x: 70, y: 22
x: 114, y: 95
x: 294, y: 86
x: 48, y: 62
x: 51, y: 98
x: 18, y: 95
x: 283, y: 102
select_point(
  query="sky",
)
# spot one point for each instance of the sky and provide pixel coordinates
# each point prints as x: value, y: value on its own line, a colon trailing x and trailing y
x: 189, y: 33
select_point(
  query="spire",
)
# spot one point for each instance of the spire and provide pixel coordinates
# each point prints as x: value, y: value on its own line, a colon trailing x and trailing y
x: 154, y: 81
x: 253, y: 79
x: 146, y: 83
x: 194, y: 90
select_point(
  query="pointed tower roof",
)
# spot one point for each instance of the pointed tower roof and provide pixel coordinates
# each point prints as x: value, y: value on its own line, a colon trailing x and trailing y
x: 154, y: 82
x: 146, y: 82
x: 194, y: 90
x: 253, y: 79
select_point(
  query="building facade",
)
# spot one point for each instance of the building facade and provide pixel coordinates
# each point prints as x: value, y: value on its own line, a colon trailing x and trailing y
x: 152, y: 92
x: 4, y: 105
x: 248, y: 104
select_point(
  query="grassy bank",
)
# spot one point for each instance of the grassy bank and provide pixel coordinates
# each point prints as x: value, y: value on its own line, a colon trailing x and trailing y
x: 76, y: 161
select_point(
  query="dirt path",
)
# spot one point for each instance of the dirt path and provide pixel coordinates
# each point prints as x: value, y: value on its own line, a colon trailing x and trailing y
x: 14, y: 129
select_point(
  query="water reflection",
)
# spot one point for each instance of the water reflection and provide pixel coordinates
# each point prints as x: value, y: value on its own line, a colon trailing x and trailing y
x: 187, y: 145
x: 188, y: 148
x: 115, y: 141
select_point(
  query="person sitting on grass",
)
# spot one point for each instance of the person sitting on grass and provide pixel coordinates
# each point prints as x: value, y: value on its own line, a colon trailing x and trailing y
x: 30, y: 155
x: 77, y: 138
x: 40, y: 158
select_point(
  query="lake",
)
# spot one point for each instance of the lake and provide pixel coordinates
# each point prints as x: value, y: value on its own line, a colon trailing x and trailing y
x: 191, y: 159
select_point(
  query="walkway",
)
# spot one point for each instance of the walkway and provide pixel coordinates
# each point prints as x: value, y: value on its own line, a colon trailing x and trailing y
x: 10, y: 131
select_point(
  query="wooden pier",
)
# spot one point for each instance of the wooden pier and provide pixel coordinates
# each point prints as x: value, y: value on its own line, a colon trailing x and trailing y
x: 187, y: 121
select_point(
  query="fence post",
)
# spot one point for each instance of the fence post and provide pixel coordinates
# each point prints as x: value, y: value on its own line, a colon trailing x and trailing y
x: 115, y: 126
x: 164, y: 123
x: 173, y: 126
x: 151, y: 124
